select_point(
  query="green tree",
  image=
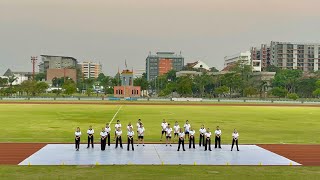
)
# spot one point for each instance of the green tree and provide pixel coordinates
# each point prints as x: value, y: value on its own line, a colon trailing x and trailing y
x: 3, y: 82
x: 41, y: 87
x: 171, y: 75
x: 28, y: 87
x: 279, y: 92
x: 287, y: 79
x: 293, y: 96
x: 89, y: 91
x: 221, y: 90
x: 58, y: 82
x: 184, y: 86
x: 169, y: 89
x: 272, y: 68
x: 105, y: 82
x: 141, y: 82
x: 317, y: 91
x: 233, y: 81
x: 11, y: 79
x: 40, y: 77
x: 101, y: 76
x: 69, y: 87
x: 250, y: 91
x: 306, y: 86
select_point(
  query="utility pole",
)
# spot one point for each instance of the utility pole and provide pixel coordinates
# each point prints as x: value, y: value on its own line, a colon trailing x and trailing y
x: 33, y: 61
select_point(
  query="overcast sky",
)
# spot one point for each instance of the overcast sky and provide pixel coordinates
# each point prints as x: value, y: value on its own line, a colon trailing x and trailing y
x: 111, y: 31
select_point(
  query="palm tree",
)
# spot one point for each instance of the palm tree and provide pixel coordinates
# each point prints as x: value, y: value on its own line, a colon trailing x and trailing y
x: 105, y: 82
x: 11, y: 79
x: 3, y: 82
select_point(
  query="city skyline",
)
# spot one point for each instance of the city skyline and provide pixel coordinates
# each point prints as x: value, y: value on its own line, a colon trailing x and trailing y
x: 112, y: 31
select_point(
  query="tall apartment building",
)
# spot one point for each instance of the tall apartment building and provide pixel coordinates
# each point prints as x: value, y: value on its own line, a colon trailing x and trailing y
x: 263, y: 54
x: 243, y: 58
x: 90, y: 69
x: 301, y: 56
x: 58, y: 66
x: 163, y: 62
x: 287, y: 55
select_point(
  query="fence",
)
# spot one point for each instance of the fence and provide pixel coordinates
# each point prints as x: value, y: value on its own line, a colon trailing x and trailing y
x: 216, y: 100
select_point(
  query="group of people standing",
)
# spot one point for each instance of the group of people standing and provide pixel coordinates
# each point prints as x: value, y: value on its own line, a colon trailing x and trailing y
x: 182, y: 134
x: 188, y: 133
x: 105, y: 136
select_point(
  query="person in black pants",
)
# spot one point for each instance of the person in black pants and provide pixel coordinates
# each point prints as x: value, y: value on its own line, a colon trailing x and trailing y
x: 77, y: 138
x: 208, y: 140
x: 118, y: 137
x: 103, y: 135
x: 130, y: 138
x: 90, y: 133
x: 181, y: 139
x: 217, y: 140
x: 235, y: 137
x: 202, y: 134
x: 191, y: 138
x: 108, y: 131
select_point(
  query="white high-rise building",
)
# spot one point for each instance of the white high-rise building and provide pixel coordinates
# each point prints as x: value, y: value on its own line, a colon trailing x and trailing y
x: 243, y: 58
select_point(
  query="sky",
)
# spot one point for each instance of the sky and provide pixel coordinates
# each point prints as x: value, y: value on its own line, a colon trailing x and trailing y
x: 110, y: 31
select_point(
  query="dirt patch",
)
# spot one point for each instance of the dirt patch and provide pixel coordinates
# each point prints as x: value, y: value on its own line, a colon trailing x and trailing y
x: 14, y: 153
x: 307, y: 155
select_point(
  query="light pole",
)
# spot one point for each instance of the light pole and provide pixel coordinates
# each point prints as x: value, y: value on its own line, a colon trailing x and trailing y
x: 33, y: 61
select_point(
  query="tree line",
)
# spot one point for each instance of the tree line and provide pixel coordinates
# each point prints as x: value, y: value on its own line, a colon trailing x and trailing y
x: 240, y: 81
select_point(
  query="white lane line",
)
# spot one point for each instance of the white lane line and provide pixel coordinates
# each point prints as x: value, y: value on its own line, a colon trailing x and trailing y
x: 115, y: 115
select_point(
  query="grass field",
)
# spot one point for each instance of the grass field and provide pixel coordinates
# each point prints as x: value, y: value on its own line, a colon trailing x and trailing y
x: 159, y: 172
x: 256, y: 125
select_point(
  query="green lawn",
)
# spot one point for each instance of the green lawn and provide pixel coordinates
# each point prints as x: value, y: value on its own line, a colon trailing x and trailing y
x: 56, y: 123
x: 159, y: 172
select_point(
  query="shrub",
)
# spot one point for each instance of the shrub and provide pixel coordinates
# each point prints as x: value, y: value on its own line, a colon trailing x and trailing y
x: 293, y: 96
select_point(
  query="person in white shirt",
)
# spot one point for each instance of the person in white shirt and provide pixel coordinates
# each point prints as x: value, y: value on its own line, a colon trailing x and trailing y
x: 108, y: 131
x: 187, y: 129
x: 141, y: 131
x: 90, y: 133
x: 176, y: 129
x: 130, y: 135
x: 77, y: 135
x: 181, y: 139
x: 103, y: 135
x: 138, y: 126
x: 168, y: 135
x: 116, y: 126
x: 191, y: 138
x: 217, y: 139
x: 129, y: 126
x: 164, y: 125
x: 118, y: 137
x: 202, y: 131
x: 235, y: 137
x: 208, y: 139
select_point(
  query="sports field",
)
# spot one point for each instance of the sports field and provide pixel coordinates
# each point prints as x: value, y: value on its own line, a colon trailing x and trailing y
x: 55, y: 123
x: 256, y: 125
